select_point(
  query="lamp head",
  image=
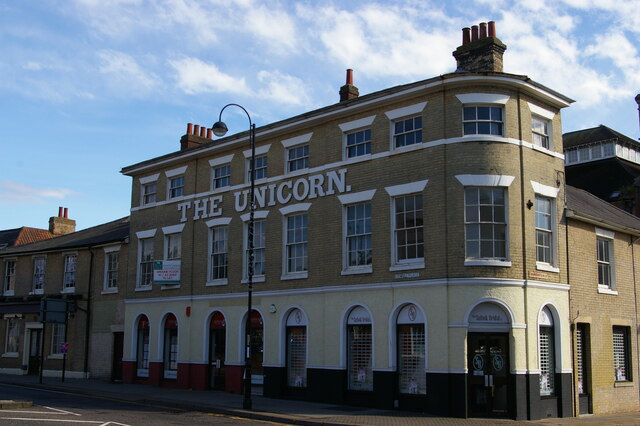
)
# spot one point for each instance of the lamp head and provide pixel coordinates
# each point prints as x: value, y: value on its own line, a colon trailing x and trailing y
x: 220, y: 129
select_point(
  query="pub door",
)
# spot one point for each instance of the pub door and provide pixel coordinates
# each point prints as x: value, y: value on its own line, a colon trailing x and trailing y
x: 35, y: 340
x: 488, y: 377
x: 216, y: 357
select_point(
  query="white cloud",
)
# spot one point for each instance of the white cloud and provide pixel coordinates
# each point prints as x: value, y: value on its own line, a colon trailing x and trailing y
x: 125, y: 73
x: 282, y: 88
x: 274, y: 28
x: 20, y: 192
x: 196, y: 76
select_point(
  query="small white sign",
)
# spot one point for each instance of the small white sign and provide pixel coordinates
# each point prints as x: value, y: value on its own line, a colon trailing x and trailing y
x: 166, y: 272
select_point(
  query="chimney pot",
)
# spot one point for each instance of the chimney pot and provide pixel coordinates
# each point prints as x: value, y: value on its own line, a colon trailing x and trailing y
x: 492, y: 29
x: 348, y: 91
x: 483, y: 29
x: 350, y: 76
x: 66, y: 213
x: 189, y: 128
x: 196, y: 129
x: 209, y: 133
x: 203, y: 131
x: 474, y: 32
x: 466, y: 35
x: 59, y: 211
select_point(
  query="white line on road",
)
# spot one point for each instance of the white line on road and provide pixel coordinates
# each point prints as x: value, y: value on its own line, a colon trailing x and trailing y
x: 61, y: 411
x: 52, y: 420
x: 33, y: 412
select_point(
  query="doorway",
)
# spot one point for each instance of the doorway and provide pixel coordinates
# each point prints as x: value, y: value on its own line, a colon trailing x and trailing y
x: 35, y: 340
x: 217, y: 339
x: 257, y: 349
x: 116, y: 363
x: 488, y: 377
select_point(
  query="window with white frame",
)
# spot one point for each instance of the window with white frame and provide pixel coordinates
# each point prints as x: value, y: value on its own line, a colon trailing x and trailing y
x: 39, y: 267
x: 142, y: 347
x: 485, y: 223
x: 145, y: 262
x: 540, y: 131
x: 547, y: 358
x: 9, y: 278
x: 149, y: 193
x: 12, y: 340
x: 407, y: 131
x: 359, y: 248
x: 605, y: 261
x: 173, y: 246
x: 621, y: 354
x: 483, y: 120
x: 296, y: 243
x: 176, y: 187
x: 261, y: 168
x: 408, y: 228
x: 221, y: 176
x: 111, y: 266
x: 70, y: 266
x: 358, y: 143
x: 259, y: 248
x: 219, y: 252
x: 57, y: 339
x: 544, y: 229
x: 297, y: 158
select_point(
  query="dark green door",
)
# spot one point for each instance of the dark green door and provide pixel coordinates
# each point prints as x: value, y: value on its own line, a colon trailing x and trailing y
x: 488, y: 377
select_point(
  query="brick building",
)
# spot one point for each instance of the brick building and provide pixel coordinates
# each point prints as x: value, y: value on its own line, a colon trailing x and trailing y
x: 410, y: 250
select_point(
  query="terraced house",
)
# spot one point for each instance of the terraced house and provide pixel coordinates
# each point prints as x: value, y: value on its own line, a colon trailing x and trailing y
x: 410, y: 250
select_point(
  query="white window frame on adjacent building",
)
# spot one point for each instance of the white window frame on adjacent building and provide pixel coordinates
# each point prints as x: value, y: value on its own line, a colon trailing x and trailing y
x: 57, y: 339
x: 70, y: 272
x: 259, y: 245
x: 220, y: 172
x: 12, y: 337
x: 404, y: 131
x: 145, y: 241
x: 541, y: 127
x: 149, y: 189
x: 483, y: 102
x: 606, y: 261
x: 545, y: 225
x: 111, y: 269
x: 218, y: 259
x: 262, y: 163
x: 296, y: 153
x: 353, y: 205
x: 622, y: 359
x: 473, y: 215
x: 9, y: 277
x: 39, y: 274
x: 352, y: 128
x: 295, y: 240
x: 396, y: 193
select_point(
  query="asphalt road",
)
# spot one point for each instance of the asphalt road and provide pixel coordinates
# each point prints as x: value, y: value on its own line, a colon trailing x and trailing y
x: 61, y: 408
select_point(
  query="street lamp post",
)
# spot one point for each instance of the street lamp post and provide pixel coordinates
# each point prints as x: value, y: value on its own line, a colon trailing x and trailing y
x: 220, y: 129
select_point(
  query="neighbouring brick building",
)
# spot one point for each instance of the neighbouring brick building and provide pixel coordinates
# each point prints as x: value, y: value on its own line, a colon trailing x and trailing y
x: 85, y: 268
x: 410, y: 250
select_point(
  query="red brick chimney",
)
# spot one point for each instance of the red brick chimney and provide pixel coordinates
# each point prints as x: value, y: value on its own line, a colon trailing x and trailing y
x: 196, y: 135
x: 481, y: 50
x: 349, y: 91
x: 61, y: 224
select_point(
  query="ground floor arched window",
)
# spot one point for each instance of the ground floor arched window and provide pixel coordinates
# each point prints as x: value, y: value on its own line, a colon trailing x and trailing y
x: 217, y: 350
x: 359, y: 350
x: 296, y: 349
x: 547, y: 358
x: 142, y: 347
x: 170, y: 351
x: 411, y: 351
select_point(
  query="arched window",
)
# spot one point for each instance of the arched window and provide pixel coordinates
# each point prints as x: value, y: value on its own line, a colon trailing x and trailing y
x: 411, y: 351
x: 297, y: 349
x: 170, y: 352
x: 547, y: 356
x: 217, y: 350
x: 359, y: 350
x: 142, y: 347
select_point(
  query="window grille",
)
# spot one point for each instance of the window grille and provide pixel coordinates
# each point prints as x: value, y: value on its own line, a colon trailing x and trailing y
x: 411, y: 359
x: 547, y: 361
x: 621, y: 362
x: 360, y: 365
x: 580, y: 359
x: 297, y: 356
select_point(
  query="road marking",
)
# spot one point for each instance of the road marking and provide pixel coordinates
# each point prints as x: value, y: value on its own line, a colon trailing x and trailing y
x: 53, y: 420
x: 61, y: 411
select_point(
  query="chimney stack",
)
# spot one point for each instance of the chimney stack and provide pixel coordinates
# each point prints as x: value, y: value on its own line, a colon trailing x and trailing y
x: 196, y: 135
x: 349, y: 91
x: 61, y: 224
x: 481, y: 50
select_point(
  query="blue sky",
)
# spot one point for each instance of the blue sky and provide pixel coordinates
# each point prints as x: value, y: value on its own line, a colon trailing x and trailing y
x: 90, y: 86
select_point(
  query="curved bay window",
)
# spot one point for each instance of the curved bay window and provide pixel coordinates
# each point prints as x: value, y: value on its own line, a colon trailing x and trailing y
x: 297, y: 349
x: 359, y: 350
x: 411, y: 351
x: 547, y: 356
x: 142, y: 347
x: 170, y: 351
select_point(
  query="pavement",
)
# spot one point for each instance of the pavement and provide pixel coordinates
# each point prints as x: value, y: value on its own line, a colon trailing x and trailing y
x: 273, y: 410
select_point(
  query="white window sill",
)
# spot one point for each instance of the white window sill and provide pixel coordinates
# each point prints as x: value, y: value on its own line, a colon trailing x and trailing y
x: 358, y: 270
x: 407, y: 266
x: 55, y: 356
x: 488, y: 262
x: 142, y: 373
x: 169, y: 286
x: 39, y: 291
x: 170, y: 374
x: 8, y: 293
x: 406, y: 148
x: 357, y: 158
x: 623, y: 384
x: 607, y: 290
x: 9, y: 355
x: 112, y: 290
x: 295, y: 276
x: 221, y: 281
x: 255, y: 279
x: 540, y: 266
x: 143, y: 288
x: 69, y: 290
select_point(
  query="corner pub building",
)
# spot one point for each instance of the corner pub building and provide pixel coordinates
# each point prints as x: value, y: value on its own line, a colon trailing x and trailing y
x: 398, y: 259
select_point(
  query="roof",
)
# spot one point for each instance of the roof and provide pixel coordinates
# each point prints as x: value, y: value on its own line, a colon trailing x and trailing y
x: 23, y: 235
x: 603, y: 177
x: 585, y: 206
x: 455, y: 78
x: 594, y: 134
x: 110, y: 232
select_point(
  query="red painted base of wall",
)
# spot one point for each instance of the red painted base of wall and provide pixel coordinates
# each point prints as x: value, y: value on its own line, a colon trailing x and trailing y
x: 128, y: 371
x: 233, y: 378
x: 198, y: 375
x: 155, y: 373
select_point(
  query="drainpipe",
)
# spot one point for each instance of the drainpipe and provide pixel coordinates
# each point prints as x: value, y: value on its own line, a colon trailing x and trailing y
x: 87, y: 334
